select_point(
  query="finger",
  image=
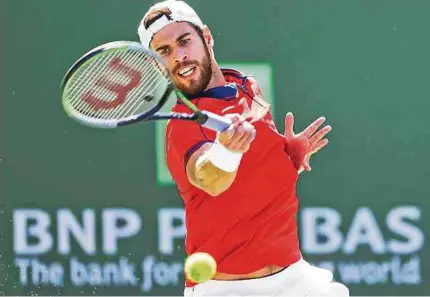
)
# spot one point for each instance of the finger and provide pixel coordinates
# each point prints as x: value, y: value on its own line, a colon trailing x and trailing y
x: 226, y: 136
x: 247, y: 129
x: 235, y: 117
x: 312, y: 150
x: 320, y: 134
x: 237, y: 143
x: 244, y: 143
x: 237, y: 120
x: 238, y: 133
x: 314, y: 126
x: 289, y: 125
x: 305, y: 164
x: 317, y: 146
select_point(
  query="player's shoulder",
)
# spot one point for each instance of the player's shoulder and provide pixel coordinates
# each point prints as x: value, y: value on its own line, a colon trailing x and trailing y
x: 246, y: 82
x: 236, y: 76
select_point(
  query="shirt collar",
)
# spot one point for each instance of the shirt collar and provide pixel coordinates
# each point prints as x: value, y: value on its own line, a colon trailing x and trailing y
x: 226, y: 92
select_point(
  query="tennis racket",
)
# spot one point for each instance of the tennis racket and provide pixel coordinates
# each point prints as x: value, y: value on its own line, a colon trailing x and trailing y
x: 121, y: 83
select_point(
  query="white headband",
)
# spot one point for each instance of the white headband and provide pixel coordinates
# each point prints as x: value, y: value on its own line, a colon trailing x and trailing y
x: 171, y: 11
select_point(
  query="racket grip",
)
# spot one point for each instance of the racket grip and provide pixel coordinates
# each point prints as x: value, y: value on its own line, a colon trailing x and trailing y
x: 215, y: 122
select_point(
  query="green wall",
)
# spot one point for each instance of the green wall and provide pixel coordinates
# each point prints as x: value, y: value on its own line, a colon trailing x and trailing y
x: 362, y: 64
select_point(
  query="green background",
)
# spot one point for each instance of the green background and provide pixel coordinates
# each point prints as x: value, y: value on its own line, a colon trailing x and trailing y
x: 362, y: 64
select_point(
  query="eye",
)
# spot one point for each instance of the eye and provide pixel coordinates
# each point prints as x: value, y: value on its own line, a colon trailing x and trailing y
x: 185, y: 40
x: 163, y: 51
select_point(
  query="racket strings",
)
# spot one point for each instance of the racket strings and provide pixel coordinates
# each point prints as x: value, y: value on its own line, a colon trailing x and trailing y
x: 118, y: 78
x: 86, y: 84
x: 152, y: 76
x: 86, y: 75
x: 80, y: 85
x: 152, y: 82
x: 145, y: 93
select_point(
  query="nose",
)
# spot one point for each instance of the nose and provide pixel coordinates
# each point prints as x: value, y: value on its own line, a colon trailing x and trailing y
x: 180, y: 56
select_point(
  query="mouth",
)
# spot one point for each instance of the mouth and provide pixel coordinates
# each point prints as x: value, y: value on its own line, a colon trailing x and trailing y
x: 186, y: 71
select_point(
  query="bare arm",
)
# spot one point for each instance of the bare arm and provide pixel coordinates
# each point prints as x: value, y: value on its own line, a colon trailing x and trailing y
x: 213, y: 167
x: 207, y: 176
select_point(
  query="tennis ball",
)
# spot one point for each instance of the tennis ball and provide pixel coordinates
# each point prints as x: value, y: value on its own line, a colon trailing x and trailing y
x: 200, y: 267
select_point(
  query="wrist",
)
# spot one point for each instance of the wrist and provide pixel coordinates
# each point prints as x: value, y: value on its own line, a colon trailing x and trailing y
x: 223, y: 158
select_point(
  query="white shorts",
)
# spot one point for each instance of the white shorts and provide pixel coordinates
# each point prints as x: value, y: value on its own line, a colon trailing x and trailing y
x: 299, y: 279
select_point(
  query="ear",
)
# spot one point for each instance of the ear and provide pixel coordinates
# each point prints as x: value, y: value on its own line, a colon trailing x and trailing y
x: 208, y: 37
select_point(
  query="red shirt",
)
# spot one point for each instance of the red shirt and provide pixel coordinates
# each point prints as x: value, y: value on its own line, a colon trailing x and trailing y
x: 253, y: 223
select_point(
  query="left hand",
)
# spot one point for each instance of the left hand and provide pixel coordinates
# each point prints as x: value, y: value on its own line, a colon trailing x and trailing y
x: 301, y: 146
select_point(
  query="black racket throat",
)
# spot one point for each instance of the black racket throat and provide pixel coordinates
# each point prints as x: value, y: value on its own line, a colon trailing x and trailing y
x: 196, y: 116
x: 201, y: 118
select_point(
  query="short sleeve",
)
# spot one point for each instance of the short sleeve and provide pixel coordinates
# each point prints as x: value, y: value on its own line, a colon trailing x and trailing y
x: 183, y: 138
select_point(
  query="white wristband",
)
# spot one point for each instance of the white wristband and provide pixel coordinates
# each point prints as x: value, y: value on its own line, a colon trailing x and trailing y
x: 223, y: 158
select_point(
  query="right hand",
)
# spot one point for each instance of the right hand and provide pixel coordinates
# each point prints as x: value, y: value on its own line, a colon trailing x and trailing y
x: 239, y: 136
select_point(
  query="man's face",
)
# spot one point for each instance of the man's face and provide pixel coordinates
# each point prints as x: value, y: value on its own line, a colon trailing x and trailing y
x: 186, y: 56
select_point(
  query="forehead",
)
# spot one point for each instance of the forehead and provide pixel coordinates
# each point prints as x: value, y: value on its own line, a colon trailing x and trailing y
x: 171, y: 32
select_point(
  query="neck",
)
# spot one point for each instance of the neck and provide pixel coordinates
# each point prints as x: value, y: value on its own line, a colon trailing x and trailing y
x: 217, y: 78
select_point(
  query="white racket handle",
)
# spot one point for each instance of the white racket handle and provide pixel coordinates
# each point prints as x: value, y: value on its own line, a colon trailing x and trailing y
x: 216, y: 122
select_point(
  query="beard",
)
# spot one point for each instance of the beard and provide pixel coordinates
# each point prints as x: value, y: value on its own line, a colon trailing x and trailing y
x: 195, y: 85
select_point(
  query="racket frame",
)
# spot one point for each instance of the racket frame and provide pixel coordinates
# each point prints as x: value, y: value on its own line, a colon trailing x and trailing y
x: 203, y: 118
x: 86, y: 58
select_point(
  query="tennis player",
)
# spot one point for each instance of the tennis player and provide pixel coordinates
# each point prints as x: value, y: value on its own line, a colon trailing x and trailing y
x: 239, y: 186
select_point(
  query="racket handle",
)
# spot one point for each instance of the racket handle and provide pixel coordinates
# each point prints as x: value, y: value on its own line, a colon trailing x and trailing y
x: 215, y: 122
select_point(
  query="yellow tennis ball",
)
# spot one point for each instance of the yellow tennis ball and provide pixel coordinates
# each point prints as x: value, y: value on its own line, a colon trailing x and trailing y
x: 200, y: 267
